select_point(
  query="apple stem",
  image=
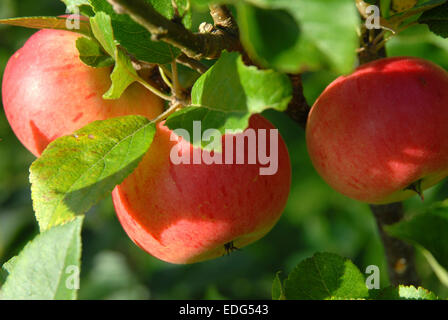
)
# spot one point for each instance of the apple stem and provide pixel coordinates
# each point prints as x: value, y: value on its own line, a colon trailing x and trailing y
x: 165, y: 78
x: 152, y: 89
x: 173, y: 108
x: 177, y: 92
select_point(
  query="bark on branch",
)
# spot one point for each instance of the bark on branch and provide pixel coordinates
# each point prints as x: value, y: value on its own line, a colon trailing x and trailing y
x: 191, y: 63
x: 194, y: 45
x: 223, y: 19
x: 400, y: 256
x: 298, y: 108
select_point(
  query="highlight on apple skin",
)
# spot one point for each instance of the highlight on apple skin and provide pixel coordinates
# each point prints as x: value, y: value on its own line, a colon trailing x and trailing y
x: 380, y: 135
x: 48, y: 92
x: 186, y: 213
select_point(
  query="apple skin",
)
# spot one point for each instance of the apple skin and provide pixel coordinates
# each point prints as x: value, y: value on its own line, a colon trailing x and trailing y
x: 48, y: 92
x: 186, y: 213
x: 373, y: 133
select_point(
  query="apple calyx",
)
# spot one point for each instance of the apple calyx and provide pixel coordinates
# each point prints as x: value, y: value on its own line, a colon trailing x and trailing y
x: 417, y: 188
x: 229, y: 247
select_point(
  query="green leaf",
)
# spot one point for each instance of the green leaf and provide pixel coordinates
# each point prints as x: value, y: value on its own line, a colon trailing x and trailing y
x: 418, y: 9
x: 403, y: 293
x: 231, y: 86
x: 419, y: 41
x: 124, y: 73
x: 429, y: 230
x: 73, y: 4
x: 79, y: 6
x: 207, y: 119
x: 58, y: 23
x: 48, y: 266
x: 102, y: 29
x: 122, y: 77
x: 440, y: 272
x: 325, y: 276
x: 313, y: 34
x: 412, y: 293
x: 436, y: 19
x: 227, y: 95
x: 74, y: 172
x: 6, y: 269
x: 166, y: 9
x: 135, y: 38
x: 260, y: 29
x: 278, y: 292
x: 187, y: 76
x: 91, y: 54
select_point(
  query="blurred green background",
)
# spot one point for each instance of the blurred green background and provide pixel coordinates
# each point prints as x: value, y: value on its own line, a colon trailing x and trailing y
x: 316, y: 217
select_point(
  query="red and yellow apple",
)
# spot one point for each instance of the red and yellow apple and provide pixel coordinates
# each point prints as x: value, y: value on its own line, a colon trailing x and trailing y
x: 381, y: 132
x: 48, y: 92
x: 185, y: 213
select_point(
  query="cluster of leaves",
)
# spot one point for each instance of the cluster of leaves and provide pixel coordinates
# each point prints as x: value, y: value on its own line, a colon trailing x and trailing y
x: 327, y: 276
x: 316, y: 34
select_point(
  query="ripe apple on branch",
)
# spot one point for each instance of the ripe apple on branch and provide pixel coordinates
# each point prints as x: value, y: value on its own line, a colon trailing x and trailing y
x: 109, y: 105
x: 368, y: 133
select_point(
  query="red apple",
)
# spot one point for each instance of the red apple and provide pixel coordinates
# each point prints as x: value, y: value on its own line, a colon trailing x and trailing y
x: 380, y: 133
x: 48, y: 92
x: 185, y: 213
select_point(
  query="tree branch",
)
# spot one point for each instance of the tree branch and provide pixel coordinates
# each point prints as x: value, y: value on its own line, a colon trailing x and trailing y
x: 400, y: 256
x: 223, y: 19
x: 370, y: 52
x: 194, y: 45
x: 298, y: 108
x: 225, y: 23
x: 191, y: 63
